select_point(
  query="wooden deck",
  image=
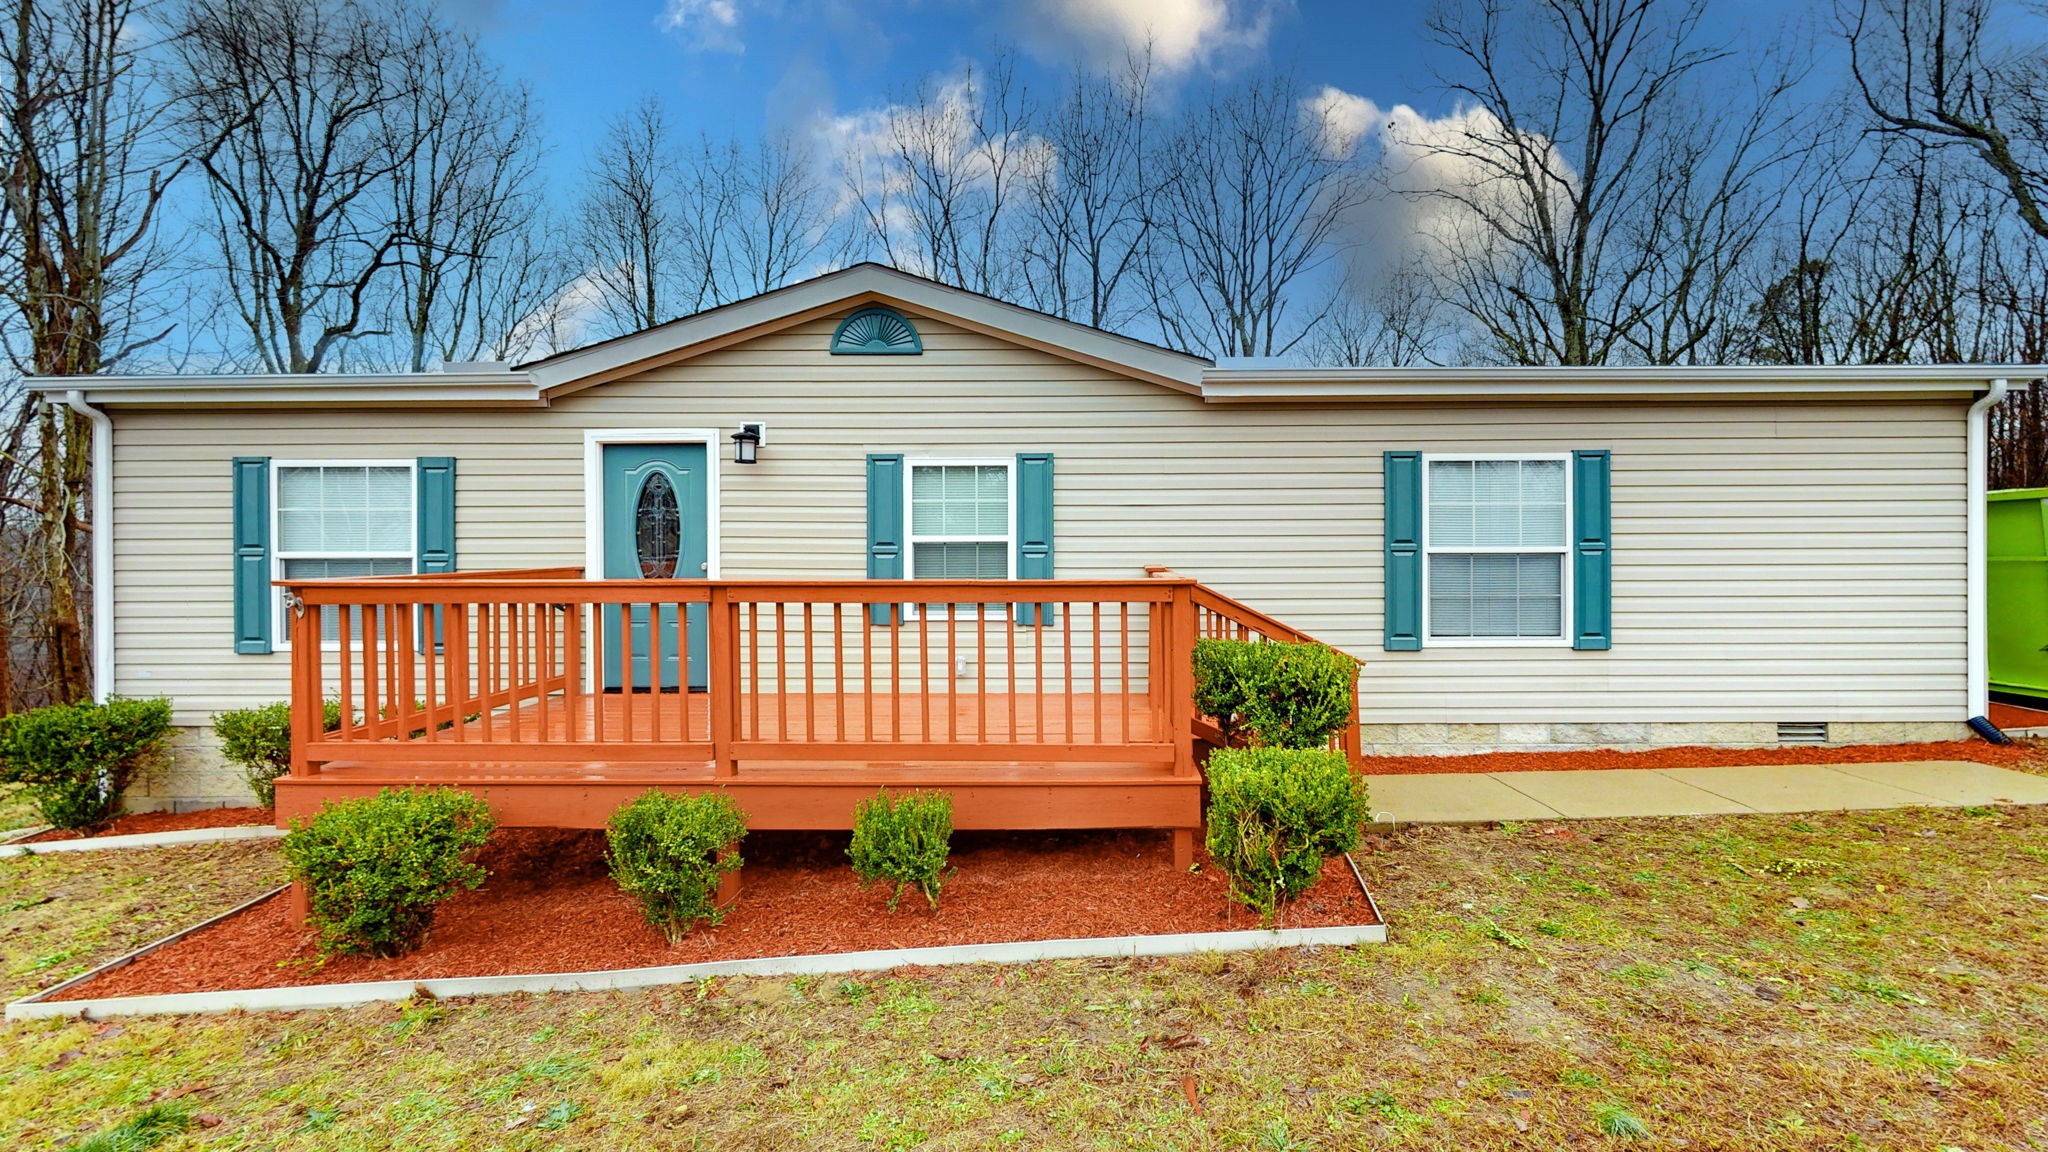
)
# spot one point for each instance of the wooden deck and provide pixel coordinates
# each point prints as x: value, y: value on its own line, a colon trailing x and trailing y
x: 1073, y: 710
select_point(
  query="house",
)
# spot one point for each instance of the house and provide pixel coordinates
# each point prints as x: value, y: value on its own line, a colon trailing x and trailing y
x: 1523, y: 558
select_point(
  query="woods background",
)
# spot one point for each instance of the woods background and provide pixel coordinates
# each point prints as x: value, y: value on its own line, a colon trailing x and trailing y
x: 275, y: 186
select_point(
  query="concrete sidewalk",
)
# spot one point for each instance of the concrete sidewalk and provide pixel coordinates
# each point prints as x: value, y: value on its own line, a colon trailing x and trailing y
x: 1483, y: 797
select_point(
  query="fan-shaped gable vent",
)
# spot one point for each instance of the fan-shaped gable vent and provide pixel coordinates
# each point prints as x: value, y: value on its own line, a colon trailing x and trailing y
x: 876, y: 332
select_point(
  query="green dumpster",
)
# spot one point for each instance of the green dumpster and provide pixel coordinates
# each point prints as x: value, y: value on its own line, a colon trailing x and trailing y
x: 2016, y: 531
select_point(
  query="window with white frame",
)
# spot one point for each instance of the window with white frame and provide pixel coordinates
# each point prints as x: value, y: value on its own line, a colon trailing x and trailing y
x: 336, y: 519
x: 960, y: 521
x: 1495, y: 549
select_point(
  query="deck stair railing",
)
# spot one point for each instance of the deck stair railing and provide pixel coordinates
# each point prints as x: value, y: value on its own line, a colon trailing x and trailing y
x: 1218, y: 617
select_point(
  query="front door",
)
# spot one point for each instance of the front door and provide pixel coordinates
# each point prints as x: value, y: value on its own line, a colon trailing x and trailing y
x: 655, y: 527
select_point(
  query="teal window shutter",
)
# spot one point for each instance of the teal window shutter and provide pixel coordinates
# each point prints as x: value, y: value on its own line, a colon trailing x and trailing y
x: 433, y: 512
x: 1592, y: 552
x: 1401, y: 622
x: 253, y: 599
x: 885, y: 528
x: 1034, y: 530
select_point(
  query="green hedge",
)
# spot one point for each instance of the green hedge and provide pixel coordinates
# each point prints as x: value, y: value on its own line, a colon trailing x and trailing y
x: 1275, y: 814
x: 1275, y: 694
x: 74, y: 760
x: 375, y: 868
x: 260, y: 740
x: 903, y: 840
x: 669, y: 851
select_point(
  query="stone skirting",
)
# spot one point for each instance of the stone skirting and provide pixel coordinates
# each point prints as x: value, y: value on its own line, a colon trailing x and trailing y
x: 194, y: 776
x: 1469, y: 739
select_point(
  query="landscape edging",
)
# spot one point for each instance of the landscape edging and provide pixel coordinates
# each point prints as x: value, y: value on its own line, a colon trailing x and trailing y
x: 170, y: 839
x: 317, y: 996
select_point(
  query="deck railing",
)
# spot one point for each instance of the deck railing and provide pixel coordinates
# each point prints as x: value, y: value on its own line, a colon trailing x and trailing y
x: 1218, y: 617
x: 541, y: 665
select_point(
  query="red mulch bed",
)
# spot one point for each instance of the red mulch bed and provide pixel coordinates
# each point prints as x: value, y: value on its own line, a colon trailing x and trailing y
x: 163, y: 822
x: 1697, y: 757
x: 550, y: 906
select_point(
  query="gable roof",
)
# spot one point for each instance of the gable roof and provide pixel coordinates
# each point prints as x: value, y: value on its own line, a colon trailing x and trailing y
x: 716, y: 328
x: 536, y: 383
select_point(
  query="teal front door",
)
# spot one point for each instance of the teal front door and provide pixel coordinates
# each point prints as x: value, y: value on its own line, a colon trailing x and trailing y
x: 655, y: 527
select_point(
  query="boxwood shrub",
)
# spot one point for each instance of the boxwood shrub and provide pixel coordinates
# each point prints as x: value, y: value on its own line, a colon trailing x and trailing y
x: 74, y: 760
x: 1275, y: 814
x: 669, y: 851
x: 903, y: 840
x: 375, y: 868
x: 260, y: 740
x: 1274, y: 694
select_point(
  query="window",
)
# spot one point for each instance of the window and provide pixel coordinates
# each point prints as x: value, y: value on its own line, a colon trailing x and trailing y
x: 341, y: 520
x: 960, y: 523
x: 1494, y: 547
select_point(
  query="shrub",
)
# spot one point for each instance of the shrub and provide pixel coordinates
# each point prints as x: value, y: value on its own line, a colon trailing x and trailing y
x: 260, y: 740
x: 1279, y: 695
x: 903, y: 840
x: 74, y: 760
x: 1275, y: 814
x: 375, y: 868
x: 669, y: 851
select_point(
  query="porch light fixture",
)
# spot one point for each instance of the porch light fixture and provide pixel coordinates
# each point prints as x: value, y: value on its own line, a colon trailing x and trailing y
x: 746, y: 443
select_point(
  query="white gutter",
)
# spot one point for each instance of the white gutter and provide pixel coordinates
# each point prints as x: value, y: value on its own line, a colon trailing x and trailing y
x: 504, y: 389
x: 1254, y: 385
x: 102, y: 543
x: 1976, y: 645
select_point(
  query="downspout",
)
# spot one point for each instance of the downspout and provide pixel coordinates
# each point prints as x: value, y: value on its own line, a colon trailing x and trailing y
x: 102, y: 543
x: 1975, y: 612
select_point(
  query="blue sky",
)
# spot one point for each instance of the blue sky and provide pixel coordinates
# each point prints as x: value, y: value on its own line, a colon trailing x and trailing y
x: 742, y: 66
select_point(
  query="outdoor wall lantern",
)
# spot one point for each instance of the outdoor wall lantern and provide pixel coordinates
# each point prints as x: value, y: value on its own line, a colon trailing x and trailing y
x: 746, y: 443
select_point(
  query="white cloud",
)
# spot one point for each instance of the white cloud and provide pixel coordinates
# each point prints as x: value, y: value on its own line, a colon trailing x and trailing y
x: 1346, y: 119
x: 705, y: 25
x: 1182, y: 33
x: 1435, y: 170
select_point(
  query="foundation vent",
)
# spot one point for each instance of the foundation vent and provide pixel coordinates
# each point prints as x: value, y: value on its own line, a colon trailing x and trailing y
x: 1802, y: 732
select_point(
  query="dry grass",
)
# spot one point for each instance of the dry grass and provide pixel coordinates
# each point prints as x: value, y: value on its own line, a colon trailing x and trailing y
x: 1868, y: 980
x: 63, y: 912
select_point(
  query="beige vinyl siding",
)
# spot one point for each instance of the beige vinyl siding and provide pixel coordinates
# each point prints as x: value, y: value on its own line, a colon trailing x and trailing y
x: 1781, y: 559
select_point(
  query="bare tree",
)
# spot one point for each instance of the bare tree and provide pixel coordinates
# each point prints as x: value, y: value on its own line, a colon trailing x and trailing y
x: 1250, y: 196
x: 937, y: 191
x: 296, y: 113
x: 629, y: 231
x: 82, y: 177
x: 464, y: 204
x: 1087, y: 198
x: 786, y: 219
x: 1391, y: 321
x: 1944, y: 71
x: 1587, y: 171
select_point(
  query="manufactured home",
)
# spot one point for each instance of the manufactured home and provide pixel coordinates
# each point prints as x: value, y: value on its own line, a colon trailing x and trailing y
x: 869, y: 527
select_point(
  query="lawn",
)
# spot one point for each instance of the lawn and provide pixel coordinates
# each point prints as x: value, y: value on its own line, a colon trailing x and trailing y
x: 1870, y: 980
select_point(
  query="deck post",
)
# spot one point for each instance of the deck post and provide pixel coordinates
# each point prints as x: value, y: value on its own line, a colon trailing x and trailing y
x: 307, y: 710
x: 723, y: 680
x: 728, y: 886
x: 1179, y: 675
x: 1178, y: 652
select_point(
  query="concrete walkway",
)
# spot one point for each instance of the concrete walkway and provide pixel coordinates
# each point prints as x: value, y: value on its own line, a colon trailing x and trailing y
x: 1476, y: 797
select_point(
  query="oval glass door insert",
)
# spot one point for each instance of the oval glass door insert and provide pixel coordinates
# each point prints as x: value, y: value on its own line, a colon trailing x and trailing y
x: 657, y: 528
